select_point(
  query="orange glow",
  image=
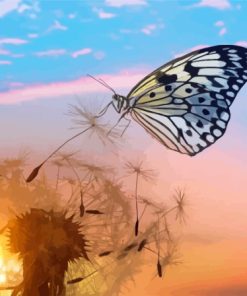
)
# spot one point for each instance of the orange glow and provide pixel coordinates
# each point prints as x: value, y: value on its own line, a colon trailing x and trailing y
x: 10, y: 268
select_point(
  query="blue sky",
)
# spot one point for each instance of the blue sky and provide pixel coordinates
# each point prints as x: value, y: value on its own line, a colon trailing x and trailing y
x: 48, y: 47
x: 50, y: 41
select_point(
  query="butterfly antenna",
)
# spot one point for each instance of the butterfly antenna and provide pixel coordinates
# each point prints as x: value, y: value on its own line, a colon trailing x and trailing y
x: 107, y: 85
x: 102, y: 82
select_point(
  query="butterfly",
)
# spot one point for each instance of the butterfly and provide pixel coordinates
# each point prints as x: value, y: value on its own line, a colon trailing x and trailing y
x: 184, y: 104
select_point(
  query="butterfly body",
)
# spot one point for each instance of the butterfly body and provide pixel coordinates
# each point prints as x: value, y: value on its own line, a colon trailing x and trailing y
x: 184, y: 104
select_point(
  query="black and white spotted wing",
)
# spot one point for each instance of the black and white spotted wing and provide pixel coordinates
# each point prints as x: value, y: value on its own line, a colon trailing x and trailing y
x: 185, y: 103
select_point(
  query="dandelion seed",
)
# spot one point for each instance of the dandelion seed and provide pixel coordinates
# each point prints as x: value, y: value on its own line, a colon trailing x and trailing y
x: 137, y: 168
x: 89, y: 122
x: 180, y: 200
x: 36, y: 170
x: 83, y: 117
x: 171, y: 257
x: 137, y: 226
x: 98, y: 171
x: 106, y: 253
x: 82, y: 209
x: 76, y: 280
x: 142, y: 245
x: 130, y: 247
x: 121, y: 256
x: 138, y: 171
x: 159, y: 268
x: 94, y: 212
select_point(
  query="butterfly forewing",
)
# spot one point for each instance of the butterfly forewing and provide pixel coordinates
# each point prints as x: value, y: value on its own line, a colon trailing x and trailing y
x: 185, y: 103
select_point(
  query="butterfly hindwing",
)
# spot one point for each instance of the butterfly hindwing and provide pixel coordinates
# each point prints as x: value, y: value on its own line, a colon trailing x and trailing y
x: 185, y: 103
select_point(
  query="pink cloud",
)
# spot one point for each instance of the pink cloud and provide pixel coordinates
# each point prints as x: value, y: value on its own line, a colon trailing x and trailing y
x: 219, y: 24
x: 5, y: 62
x: 103, y: 14
x: 241, y: 43
x: 84, y: 85
x: 57, y: 26
x: 80, y: 52
x: 51, y: 53
x: 120, y: 3
x: 13, y: 41
x: 4, y: 52
x: 7, y: 6
x: 218, y: 4
x: 197, y: 47
x: 149, y: 29
x: 223, y: 31
x: 15, y: 84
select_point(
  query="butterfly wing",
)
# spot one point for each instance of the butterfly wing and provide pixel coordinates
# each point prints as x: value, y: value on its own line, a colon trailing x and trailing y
x: 185, y: 103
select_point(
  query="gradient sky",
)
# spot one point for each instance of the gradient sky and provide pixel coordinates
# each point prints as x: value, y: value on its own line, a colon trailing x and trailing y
x: 46, y: 50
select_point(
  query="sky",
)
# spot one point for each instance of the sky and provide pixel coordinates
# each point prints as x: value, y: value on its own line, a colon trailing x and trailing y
x: 46, y: 50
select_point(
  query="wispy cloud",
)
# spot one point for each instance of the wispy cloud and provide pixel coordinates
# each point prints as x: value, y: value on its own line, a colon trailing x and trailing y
x: 30, y: 9
x: 17, y: 55
x: 222, y: 31
x: 32, y: 35
x: 99, y: 55
x: 72, y: 16
x: 148, y: 30
x: 51, y: 53
x: 218, y: 4
x: 15, y: 84
x: 120, y: 3
x: 8, y: 53
x: 84, y: 85
x: 103, y: 14
x: 57, y: 26
x: 219, y: 24
x: 241, y: 43
x: 197, y: 47
x: 7, y: 6
x: 4, y: 52
x: 13, y: 41
x: 81, y: 52
x: 23, y: 7
x: 5, y: 62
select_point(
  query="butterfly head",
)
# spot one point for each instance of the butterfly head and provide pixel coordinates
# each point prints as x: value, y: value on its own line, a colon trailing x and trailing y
x: 120, y: 103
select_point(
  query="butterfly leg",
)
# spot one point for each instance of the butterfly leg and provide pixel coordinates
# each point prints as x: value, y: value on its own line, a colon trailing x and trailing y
x: 125, y: 128
x: 115, y: 125
x: 104, y: 110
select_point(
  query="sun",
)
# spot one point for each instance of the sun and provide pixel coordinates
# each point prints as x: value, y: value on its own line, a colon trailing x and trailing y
x: 3, y: 276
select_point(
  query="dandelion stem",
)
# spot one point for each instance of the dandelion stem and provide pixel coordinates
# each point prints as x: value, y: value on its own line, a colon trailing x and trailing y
x: 66, y: 142
x: 168, y: 211
x: 35, y: 171
x: 58, y: 175
x: 143, y: 212
x: 137, y: 210
x: 150, y: 250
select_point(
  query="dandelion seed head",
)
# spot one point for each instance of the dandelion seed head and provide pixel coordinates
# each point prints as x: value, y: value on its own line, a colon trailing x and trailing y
x: 138, y: 169
x: 84, y: 117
